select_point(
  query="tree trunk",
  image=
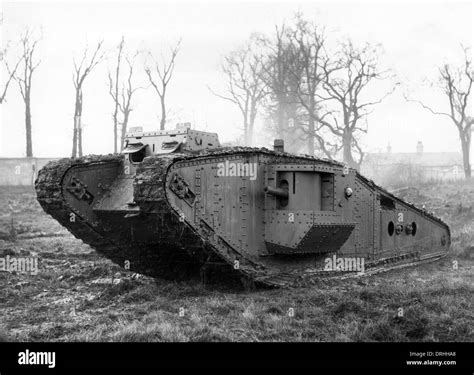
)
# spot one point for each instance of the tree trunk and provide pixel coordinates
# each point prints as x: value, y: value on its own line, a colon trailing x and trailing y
x: 74, y: 138
x: 29, y: 146
x: 115, y: 130
x: 124, y: 129
x: 251, y: 126
x: 465, y: 145
x: 311, y: 128
x: 163, y: 113
x: 347, y: 151
x: 116, y: 98
x: 311, y: 149
x: 280, y: 118
x: 246, y: 131
x: 79, y: 137
x: 77, y: 121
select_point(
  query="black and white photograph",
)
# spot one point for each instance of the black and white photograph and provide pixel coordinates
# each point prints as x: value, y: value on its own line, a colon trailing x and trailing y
x: 261, y: 171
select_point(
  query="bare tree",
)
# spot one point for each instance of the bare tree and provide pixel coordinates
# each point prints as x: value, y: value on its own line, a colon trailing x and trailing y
x: 122, y: 94
x: 309, y: 69
x: 278, y: 78
x: 456, y: 83
x: 164, y: 71
x: 354, y: 70
x: 283, y: 76
x: 114, y: 90
x: 245, y: 86
x: 25, y: 79
x: 81, y: 71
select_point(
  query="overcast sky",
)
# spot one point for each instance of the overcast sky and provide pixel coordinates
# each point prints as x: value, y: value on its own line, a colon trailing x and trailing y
x: 416, y: 38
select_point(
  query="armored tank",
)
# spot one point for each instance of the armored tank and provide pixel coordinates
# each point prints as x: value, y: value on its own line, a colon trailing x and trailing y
x: 175, y: 201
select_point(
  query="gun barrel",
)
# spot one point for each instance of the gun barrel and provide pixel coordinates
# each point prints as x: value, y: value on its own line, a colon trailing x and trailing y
x: 277, y: 192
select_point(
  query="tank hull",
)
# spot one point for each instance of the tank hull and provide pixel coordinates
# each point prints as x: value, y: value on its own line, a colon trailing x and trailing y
x: 173, y: 213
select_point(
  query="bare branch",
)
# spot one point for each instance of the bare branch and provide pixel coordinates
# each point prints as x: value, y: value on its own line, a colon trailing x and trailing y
x: 344, y: 82
x: 164, y: 71
x: 426, y: 107
x: 243, y: 69
x: 11, y: 76
x: 456, y: 83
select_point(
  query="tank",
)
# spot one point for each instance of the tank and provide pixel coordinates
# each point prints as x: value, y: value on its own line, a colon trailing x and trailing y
x: 175, y: 202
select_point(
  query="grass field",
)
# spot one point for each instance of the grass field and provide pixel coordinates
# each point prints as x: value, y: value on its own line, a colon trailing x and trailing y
x: 79, y: 296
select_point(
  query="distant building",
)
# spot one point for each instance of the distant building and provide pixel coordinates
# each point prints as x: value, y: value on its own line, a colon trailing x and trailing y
x: 418, y: 165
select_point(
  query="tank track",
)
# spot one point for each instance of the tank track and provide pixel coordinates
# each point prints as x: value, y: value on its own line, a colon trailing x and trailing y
x: 48, y: 187
x: 179, y: 259
x: 171, y: 262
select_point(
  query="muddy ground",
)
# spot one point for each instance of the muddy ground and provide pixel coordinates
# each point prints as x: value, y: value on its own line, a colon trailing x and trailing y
x: 79, y: 296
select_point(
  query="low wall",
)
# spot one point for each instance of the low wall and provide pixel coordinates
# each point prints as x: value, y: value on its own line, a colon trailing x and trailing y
x: 21, y: 171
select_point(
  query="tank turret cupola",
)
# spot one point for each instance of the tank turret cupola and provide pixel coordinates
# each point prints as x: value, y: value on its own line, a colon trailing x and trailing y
x: 139, y: 144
